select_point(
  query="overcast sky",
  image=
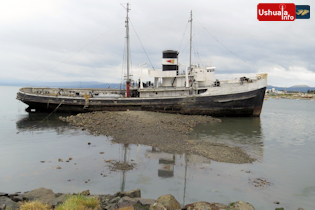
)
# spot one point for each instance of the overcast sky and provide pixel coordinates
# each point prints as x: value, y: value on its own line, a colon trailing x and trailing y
x: 80, y: 40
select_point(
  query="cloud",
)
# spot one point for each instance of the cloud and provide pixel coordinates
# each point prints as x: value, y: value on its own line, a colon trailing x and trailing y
x: 293, y: 75
x: 85, y: 40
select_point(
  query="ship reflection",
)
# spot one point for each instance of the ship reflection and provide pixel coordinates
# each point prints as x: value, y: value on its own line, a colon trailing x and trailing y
x: 167, y: 161
x: 123, y: 183
x: 37, y: 121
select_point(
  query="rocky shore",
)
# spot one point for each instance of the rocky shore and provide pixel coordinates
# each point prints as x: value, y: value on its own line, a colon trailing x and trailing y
x: 167, y: 132
x: 119, y: 200
x: 131, y: 200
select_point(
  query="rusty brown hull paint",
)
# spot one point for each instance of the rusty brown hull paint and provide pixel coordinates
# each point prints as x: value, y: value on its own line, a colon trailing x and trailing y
x: 247, y: 104
x: 257, y: 111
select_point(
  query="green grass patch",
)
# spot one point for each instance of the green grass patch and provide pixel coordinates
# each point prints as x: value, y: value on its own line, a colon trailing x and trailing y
x: 73, y: 202
x: 34, y: 205
x: 80, y: 202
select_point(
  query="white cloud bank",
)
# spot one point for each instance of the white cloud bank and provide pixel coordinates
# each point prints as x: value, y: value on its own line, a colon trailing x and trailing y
x: 77, y: 40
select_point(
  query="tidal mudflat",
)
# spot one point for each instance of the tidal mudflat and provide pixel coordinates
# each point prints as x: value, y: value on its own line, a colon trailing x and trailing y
x: 167, y: 132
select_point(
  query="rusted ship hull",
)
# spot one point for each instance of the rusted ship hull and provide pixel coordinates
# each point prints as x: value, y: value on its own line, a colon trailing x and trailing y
x: 246, y: 104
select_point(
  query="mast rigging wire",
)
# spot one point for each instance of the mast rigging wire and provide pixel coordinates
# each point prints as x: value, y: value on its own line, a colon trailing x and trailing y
x: 181, y: 41
x: 196, y: 50
x: 142, y: 46
x: 224, y: 45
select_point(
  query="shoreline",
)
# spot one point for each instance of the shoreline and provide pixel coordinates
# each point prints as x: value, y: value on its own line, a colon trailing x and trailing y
x: 292, y: 98
x: 131, y: 200
x: 167, y: 132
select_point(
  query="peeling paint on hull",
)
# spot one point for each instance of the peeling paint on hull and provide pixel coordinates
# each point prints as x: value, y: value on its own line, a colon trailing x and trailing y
x: 247, y: 104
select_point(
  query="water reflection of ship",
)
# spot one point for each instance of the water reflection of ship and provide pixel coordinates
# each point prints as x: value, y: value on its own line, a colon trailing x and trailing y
x: 123, y: 183
x: 243, y: 132
x: 168, y: 160
x: 31, y: 119
x: 35, y: 121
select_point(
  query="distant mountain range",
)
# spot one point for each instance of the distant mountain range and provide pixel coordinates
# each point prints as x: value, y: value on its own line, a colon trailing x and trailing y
x: 300, y: 88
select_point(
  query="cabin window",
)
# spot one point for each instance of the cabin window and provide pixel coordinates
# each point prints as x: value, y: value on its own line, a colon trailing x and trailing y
x: 156, y: 92
x: 46, y: 92
x: 77, y: 94
x: 208, y: 70
x: 74, y: 101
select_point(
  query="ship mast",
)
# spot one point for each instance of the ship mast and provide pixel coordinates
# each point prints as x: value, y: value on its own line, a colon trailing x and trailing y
x: 190, y: 38
x: 128, y: 80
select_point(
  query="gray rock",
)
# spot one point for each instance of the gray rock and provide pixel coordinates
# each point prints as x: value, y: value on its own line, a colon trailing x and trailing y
x: 134, y: 193
x: 8, y: 203
x: 17, y: 198
x: 12, y: 195
x: 145, y: 201
x: 241, y: 205
x: 58, y: 194
x: 126, y: 201
x: 59, y: 200
x: 111, y: 207
x: 85, y: 192
x: 114, y: 200
x: 3, y: 194
x: 2, y: 207
x: 157, y: 206
x: 279, y: 208
x: 43, y: 195
x: 205, y: 206
x: 169, y: 202
x: 118, y: 194
x: 106, y: 200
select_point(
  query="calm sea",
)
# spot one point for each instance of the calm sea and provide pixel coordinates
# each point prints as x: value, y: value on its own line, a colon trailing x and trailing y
x: 282, y: 139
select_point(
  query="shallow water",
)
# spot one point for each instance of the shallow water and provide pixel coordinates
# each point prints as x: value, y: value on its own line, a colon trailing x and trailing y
x: 282, y: 140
